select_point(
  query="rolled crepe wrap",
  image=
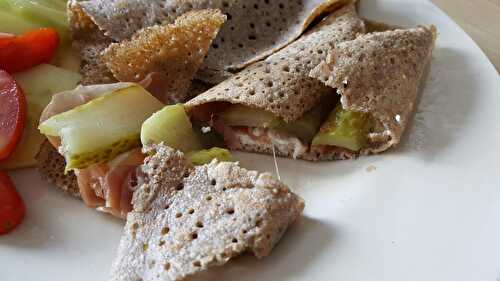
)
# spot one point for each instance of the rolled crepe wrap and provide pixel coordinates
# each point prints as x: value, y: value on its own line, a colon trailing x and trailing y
x: 281, y: 84
x: 380, y: 74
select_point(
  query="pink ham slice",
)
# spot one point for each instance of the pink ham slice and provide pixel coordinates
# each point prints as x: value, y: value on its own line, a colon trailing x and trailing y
x: 108, y: 186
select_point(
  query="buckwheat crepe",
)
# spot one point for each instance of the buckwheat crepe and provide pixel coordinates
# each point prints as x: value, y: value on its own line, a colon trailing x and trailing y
x: 254, y: 30
x: 281, y: 85
x: 380, y: 74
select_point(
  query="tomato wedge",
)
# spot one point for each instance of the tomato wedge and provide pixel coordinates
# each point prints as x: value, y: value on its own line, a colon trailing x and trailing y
x: 12, y: 208
x: 12, y: 114
x: 18, y: 53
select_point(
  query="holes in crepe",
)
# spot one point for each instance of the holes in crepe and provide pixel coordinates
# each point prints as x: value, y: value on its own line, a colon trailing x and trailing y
x: 266, y: 1
x: 255, y: 6
x: 240, y: 45
x: 225, y: 4
x: 269, y: 84
x: 167, y: 266
x: 197, y: 263
x: 281, y: 5
x: 161, y: 243
x: 213, y: 182
x: 268, y: 24
x: 252, y: 25
x: 179, y: 187
x: 229, y: 17
x: 209, y: 198
x: 252, y: 37
x: 178, y: 215
x: 199, y: 224
x: 193, y: 236
x: 251, y: 92
x: 230, y: 211
x: 191, y: 211
x: 286, y: 68
x: 167, y: 206
x: 165, y: 230
x: 258, y: 223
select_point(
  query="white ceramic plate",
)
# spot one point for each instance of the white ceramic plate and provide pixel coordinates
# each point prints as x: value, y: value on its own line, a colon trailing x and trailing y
x: 426, y: 211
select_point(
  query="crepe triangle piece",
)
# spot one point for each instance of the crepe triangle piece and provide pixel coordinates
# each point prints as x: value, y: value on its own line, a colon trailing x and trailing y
x: 186, y: 218
x: 175, y: 51
x: 380, y: 73
x: 255, y: 29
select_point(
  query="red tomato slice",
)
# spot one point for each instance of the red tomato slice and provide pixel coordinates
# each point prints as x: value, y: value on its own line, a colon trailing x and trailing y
x: 18, y: 53
x: 12, y: 114
x: 12, y: 208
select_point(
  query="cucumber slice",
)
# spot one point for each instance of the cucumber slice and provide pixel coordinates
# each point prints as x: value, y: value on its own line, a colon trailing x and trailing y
x: 42, y: 13
x: 11, y: 23
x: 99, y: 130
x: 172, y: 126
x: 345, y: 129
x: 241, y: 115
x: 38, y: 84
x: 206, y: 156
x: 41, y: 82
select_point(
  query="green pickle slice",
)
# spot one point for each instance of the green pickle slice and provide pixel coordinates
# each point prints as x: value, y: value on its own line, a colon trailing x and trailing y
x: 345, y: 129
x: 245, y: 116
x: 99, y: 130
x: 172, y: 126
x: 306, y: 127
x: 206, y: 156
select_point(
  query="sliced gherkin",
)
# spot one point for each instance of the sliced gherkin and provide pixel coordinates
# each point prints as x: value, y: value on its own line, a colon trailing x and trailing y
x: 99, y: 130
x: 172, y: 126
x: 205, y: 156
x: 245, y: 116
x: 308, y: 125
x: 345, y: 129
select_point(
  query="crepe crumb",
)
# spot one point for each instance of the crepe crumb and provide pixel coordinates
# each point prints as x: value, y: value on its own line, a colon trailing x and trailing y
x: 371, y: 168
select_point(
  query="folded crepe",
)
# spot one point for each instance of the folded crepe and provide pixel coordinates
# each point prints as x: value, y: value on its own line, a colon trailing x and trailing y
x: 255, y: 29
x: 186, y: 219
x: 174, y: 51
x: 170, y: 53
x: 376, y: 75
x: 380, y: 74
x: 281, y: 86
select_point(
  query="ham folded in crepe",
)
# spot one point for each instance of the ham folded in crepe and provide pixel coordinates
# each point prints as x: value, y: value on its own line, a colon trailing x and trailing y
x: 274, y: 106
x: 280, y: 106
